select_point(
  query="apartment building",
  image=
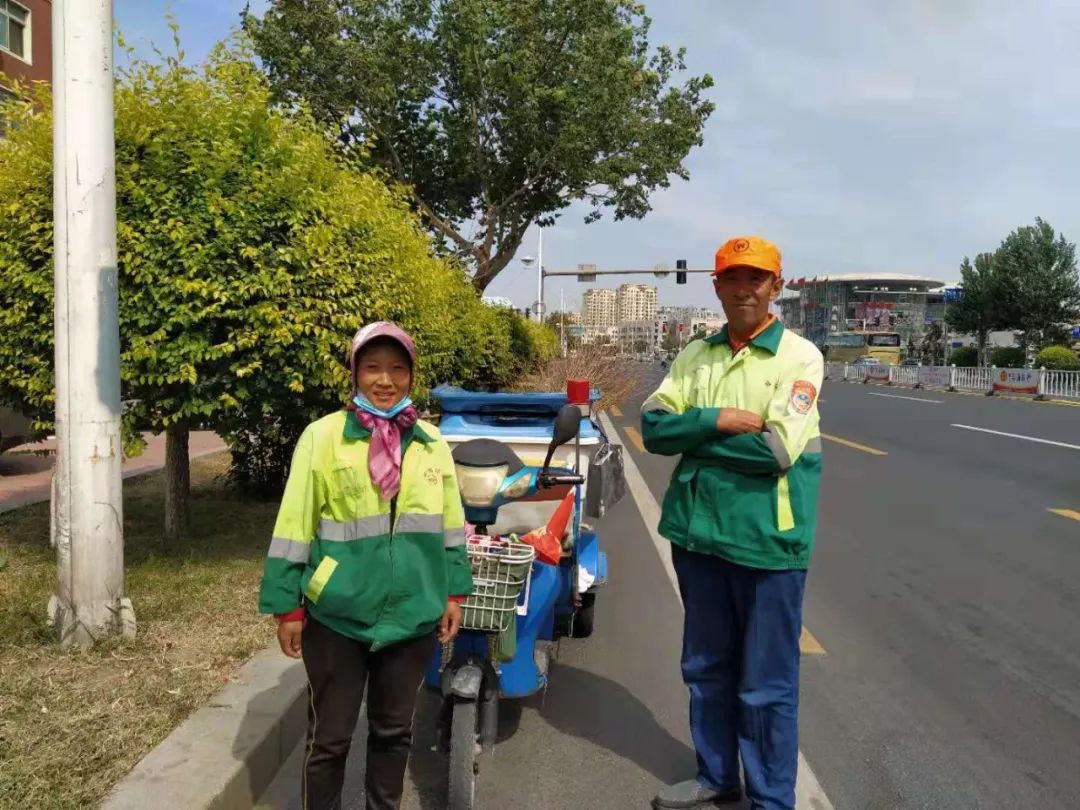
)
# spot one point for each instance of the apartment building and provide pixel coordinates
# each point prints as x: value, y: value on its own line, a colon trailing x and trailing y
x: 635, y: 302
x: 598, y: 309
x: 26, y: 40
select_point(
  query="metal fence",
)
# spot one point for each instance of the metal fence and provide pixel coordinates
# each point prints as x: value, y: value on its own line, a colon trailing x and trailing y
x: 1041, y: 383
x: 904, y: 375
x: 972, y: 379
x: 1060, y: 384
x: 855, y: 373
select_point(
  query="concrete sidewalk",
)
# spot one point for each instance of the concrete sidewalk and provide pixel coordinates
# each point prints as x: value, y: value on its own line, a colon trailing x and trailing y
x: 25, y: 471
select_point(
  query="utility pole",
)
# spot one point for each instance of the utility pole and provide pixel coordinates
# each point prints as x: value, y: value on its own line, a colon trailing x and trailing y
x: 562, y: 323
x: 87, y: 508
x: 540, y: 276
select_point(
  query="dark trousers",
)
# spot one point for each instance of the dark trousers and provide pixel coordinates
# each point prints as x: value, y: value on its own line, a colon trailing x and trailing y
x: 740, y: 662
x: 338, y: 670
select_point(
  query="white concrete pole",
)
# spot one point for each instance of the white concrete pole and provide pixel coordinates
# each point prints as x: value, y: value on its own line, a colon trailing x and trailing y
x: 87, y: 504
x: 540, y: 276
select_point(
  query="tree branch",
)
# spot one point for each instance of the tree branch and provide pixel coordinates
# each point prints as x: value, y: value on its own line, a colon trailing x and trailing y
x: 443, y: 227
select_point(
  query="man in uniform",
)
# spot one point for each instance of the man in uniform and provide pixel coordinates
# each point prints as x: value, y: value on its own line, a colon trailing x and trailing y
x: 740, y: 408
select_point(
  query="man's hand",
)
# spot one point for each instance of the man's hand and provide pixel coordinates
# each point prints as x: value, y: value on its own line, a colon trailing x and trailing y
x: 288, y: 636
x: 733, y: 421
x: 450, y: 622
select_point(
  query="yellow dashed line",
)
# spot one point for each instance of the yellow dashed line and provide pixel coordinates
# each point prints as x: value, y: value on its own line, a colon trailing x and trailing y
x: 808, y: 645
x: 854, y: 445
x: 634, y: 435
x: 616, y: 412
x: 1071, y: 514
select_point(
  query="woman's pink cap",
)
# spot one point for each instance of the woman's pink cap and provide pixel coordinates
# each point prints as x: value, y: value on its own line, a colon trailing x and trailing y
x: 376, y: 330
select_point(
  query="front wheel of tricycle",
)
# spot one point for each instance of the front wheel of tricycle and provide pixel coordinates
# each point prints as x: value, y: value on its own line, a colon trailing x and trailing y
x: 463, y: 757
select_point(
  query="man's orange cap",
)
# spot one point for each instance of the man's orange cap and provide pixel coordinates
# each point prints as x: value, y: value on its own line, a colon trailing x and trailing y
x: 748, y: 251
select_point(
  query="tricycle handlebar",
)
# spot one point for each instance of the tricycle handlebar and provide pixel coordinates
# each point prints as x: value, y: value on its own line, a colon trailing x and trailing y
x: 547, y: 479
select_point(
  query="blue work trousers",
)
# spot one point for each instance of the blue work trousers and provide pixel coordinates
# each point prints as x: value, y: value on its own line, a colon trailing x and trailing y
x: 740, y: 661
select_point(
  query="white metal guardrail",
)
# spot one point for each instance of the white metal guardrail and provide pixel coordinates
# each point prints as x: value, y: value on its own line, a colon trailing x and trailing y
x: 1038, y: 382
x: 904, y: 375
x: 1060, y: 384
x: 972, y: 379
x: 855, y: 373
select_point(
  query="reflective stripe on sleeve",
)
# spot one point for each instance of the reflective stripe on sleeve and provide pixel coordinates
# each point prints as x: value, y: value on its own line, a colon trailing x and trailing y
x: 294, y: 551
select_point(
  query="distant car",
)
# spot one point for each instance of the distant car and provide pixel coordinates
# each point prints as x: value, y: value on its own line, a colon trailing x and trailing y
x: 867, y: 361
x: 14, y: 429
x: 910, y: 362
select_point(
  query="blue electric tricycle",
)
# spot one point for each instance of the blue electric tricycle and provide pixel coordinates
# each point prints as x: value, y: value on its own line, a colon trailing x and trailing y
x: 520, y: 606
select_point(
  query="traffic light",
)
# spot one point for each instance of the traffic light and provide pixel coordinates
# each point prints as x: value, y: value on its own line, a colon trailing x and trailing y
x: 680, y: 271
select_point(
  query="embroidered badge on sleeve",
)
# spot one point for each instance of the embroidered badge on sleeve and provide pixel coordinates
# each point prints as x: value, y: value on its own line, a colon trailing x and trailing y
x: 803, y: 396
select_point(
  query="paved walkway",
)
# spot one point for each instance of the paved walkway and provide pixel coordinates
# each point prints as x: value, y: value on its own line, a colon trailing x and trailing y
x: 25, y: 471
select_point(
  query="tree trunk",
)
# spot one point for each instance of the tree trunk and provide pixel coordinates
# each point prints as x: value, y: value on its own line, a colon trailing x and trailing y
x: 981, y: 339
x: 177, y: 483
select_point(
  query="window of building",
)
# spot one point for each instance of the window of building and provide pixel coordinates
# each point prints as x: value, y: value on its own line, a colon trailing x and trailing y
x: 14, y: 29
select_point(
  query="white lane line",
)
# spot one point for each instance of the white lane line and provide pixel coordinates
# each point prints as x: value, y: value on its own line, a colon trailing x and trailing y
x: 909, y: 399
x: 808, y: 791
x: 1019, y: 436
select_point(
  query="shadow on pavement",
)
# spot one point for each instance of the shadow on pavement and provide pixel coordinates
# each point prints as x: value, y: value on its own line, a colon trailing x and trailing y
x: 586, y: 705
x: 269, y: 730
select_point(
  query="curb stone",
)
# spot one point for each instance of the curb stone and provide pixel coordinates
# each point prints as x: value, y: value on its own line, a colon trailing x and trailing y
x: 225, y: 755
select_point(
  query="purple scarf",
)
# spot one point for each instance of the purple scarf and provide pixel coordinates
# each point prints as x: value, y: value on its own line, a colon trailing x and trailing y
x: 384, y: 455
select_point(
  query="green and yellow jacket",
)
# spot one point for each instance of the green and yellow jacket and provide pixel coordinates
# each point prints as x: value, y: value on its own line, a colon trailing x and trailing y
x: 373, y: 570
x: 749, y: 498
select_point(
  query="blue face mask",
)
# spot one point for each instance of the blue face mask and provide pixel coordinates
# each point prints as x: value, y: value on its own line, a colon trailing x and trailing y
x: 363, y: 404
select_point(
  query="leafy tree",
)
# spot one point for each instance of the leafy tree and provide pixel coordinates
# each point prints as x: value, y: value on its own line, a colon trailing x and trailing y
x: 249, y: 252
x: 1058, y: 358
x: 497, y: 114
x: 982, y: 306
x: 932, y: 347
x: 1042, y: 290
x: 562, y: 323
x: 1008, y: 357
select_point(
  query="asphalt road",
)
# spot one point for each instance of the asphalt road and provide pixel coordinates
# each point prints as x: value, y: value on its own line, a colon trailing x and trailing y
x: 942, y: 669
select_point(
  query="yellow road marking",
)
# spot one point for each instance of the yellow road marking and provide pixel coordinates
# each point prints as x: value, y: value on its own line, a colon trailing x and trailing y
x: 1066, y: 513
x: 635, y: 437
x: 854, y: 445
x: 808, y: 645
x: 616, y: 412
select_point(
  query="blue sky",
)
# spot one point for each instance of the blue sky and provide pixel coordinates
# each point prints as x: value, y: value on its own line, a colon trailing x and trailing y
x: 860, y: 135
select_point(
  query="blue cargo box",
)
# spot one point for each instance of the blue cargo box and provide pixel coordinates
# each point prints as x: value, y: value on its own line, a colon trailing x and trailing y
x: 524, y: 416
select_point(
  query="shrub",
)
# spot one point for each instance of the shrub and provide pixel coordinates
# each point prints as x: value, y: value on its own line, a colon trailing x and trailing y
x: 1008, y: 357
x: 1058, y: 358
x: 964, y: 357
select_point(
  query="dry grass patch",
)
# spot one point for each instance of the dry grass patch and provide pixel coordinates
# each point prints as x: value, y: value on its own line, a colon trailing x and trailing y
x: 616, y: 377
x: 73, y: 723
